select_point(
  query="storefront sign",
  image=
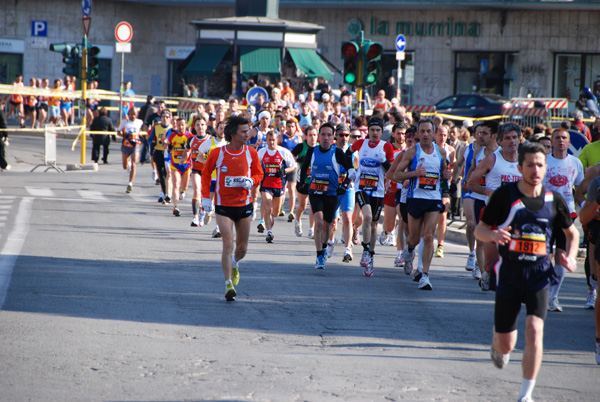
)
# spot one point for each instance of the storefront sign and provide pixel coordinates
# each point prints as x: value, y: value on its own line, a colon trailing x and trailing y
x: 12, y: 46
x: 408, y: 28
x: 178, y: 52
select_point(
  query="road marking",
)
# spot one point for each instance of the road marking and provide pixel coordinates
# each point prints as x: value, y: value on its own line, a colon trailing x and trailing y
x: 40, y: 191
x: 14, y: 244
x: 92, y: 195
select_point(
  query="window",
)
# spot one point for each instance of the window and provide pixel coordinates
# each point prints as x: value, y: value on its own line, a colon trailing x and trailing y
x: 487, y: 73
x: 572, y: 73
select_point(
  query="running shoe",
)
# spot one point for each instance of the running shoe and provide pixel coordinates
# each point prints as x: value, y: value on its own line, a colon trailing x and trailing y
x: 526, y: 399
x: 417, y: 274
x: 364, y: 261
x: 207, y: 218
x: 330, y: 247
x: 347, y: 255
x: 383, y: 238
x: 253, y: 215
x: 591, y: 300
x: 311, y: 233
x: 129, y: 189
x: 597, y: 352
x: 261, y: 226
x: 216, y: 233
x: 499, y: 359
x: 399, y: 261
x: 424, y: 283
x: 320, y: 264
x: 392, y: 239
x: 355, y: 237
x: 157, y: 182
x: 553, y: 304
x: 298, y: 228
x: 439, y: 251
x: 476, y: 273
x: 167, y: 200
x: 368, y: 272
x: 195, y: 222
x: 269, y: 237
x: 470, y: 266
x: 484, y: 282
x: 176, y: 211
x: 161, y: 197
x: 202, y: 218
x: 230, y: 293
x: 235, y: 271
x: 291, y: 217
x: 154, y: 175
x: 408, y: 261
x: 281, y: 213
x: 182, y: 195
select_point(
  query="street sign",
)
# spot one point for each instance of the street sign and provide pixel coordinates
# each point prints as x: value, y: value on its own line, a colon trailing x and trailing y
x: 123, y: 32
x: 39, y: 29
x: 123, y: 47
x: 400, y: 43
x: 252, y: 94
x: 578, y: 141
x: 86, y: 7
x: 40, y: 43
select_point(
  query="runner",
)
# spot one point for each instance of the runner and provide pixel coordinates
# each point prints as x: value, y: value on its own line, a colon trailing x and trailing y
x: 192, y: 152
x: 520, y: 219
x: 325, y: 162
x: 499, y: 168
x: 289, y: 140
x: 130, y: 130
x: 238, y: 170
x: 299, y: 152
x: 441, y: 136
x: 563, y: 173
x: 159, y: 133
x: 427, y: 166
x: 276, y: 162
x: 258, y: 136
x: 180, y: 163
x: 374, y: 158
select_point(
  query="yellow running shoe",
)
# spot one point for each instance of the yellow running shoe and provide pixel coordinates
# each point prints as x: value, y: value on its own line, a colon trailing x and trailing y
x: 235, y: 272
x: 439, y: 251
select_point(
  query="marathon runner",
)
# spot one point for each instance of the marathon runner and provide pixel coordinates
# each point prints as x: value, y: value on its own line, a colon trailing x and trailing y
x: 130, y: 130
x: 180, y: 163
x: 192, y: 152
x: 299, y: 152
x: 159, y: 133
x: 441, y: 136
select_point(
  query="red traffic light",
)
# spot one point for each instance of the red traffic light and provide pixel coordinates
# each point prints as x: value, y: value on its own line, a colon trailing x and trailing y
x: 374, y: 50
x: 349, y: 50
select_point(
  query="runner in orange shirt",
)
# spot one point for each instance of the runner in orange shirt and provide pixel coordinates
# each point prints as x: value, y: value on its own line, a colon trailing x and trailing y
x: 238, y: 169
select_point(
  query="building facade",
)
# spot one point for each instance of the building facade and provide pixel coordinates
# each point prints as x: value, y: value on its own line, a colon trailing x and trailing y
x: 511, y: 48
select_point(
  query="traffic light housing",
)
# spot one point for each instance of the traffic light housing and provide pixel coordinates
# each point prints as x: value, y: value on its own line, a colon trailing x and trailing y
x: 350, y: 55
x: 371, y: 56
x: 93, y: 64
x: 71, y: 57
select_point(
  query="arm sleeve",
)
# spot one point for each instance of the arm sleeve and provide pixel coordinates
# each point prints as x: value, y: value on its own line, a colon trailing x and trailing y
x: 297, y: 149
x: 342, y: 158
x: 562, y: 215
x: 497, y: 209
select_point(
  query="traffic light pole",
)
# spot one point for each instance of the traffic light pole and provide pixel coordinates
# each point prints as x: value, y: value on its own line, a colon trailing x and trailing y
x: 84, y: 61
x: 359, y: 73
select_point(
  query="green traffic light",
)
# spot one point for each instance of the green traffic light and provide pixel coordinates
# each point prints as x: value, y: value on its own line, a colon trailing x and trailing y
x: 350, y: 78
x: 370, y: 78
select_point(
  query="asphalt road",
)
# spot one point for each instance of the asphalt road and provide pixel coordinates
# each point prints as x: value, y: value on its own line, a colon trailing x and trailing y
x: 107, y: 296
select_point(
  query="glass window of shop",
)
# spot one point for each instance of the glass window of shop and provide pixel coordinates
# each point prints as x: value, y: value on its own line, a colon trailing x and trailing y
x: 10, y: 65
x: 572, y: 73
x: 389, y: 68
x: 487, y: 73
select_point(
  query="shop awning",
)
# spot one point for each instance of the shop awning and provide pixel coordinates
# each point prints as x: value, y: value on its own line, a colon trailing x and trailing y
x: 205, y: 60
x: 309, y: 61
x: 260, y: 60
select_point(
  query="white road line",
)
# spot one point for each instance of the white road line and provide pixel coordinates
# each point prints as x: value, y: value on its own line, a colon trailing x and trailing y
x: 40, y: 191
x: 92, y: 195
x: 5, y: 207
x: 12, y: 247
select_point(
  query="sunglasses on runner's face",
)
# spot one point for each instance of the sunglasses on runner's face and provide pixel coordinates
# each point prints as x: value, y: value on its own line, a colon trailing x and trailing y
x: 356, y: 137
x: 343, y: 135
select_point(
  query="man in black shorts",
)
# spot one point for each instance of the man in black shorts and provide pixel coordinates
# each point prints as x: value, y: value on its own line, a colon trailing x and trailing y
x: 520, y: 218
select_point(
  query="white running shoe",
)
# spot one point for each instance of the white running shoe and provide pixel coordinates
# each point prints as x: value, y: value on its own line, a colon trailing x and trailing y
x: 182, y: 196
x: 424, y: 283
x: 347, y: 255
x: 364, y: 261
x: 202, y: 218
x: 499, y: 359
x: 298, y: 228
x: 330, y: 247
x: 408, y: 261
x: 553, y: 304
x: 207, y: 218
x: 392, y: 239
x: 154, y: 175
x: 476, y: 273
x: 470, y: 263
x: 383, y: 238
x: 399, y: 261
x: 591, y: 300
x: 484, y: 281
x: 311, y: 233
x: 216, y: 233
x: 368, y: 272
x: 195, y: 221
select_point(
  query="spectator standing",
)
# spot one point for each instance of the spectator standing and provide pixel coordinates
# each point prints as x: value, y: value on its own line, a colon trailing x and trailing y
x: 101, y: 123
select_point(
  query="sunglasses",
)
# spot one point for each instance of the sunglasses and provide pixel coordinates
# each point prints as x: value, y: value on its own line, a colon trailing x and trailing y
x: 356, y: 137
x: 343, y: 135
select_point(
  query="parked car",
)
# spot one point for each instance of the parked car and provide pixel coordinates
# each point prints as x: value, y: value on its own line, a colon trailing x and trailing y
x: 472, y: 105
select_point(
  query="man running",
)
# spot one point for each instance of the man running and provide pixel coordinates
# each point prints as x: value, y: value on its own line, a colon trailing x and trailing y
x: 192, y: 152
x: 159, y: 133
x: 520, y: 219
x: 130, y: 130
x: 325, y: 162
x: 299, y: 152
x: 238, y: 170
x: 499, y: 168
x: 563, y: 173
x: 374, y: 159
x: 441, y: 136
x: 426, y: 164
x: 180, y: 163
x: 277, y: 162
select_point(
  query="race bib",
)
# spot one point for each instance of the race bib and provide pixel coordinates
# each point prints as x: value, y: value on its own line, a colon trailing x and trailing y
x: 429, y: 181
x: 368, y: 182
x: 271, y: 169
x: 481, y: 181
x: 533, y: 247
x: 319, y: 186
x: 234, y: 181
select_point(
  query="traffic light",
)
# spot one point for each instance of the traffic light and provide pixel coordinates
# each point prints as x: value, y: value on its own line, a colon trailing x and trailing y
x: 71, y: 57
x: 371, y: 56
x: 93, y: 64
x: 350, y: 51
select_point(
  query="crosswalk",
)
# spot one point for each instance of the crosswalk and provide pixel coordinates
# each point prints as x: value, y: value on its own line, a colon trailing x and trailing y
x: 85, y: 195
x: 6, y: 205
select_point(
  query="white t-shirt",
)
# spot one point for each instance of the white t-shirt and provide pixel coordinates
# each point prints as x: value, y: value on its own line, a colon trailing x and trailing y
x: 131, y: 127
x: 562, y: 175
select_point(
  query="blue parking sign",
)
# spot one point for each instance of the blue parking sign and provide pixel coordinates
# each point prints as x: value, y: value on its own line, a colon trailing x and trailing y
x: 39, y: 29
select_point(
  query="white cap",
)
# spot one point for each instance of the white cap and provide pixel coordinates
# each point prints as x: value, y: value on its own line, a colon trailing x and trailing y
x: 264, y: 113
x: 301, y: 97
x: 325, y: 97
x: 395, y: 101
x: 222, y: 102
x: 467, y: 123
